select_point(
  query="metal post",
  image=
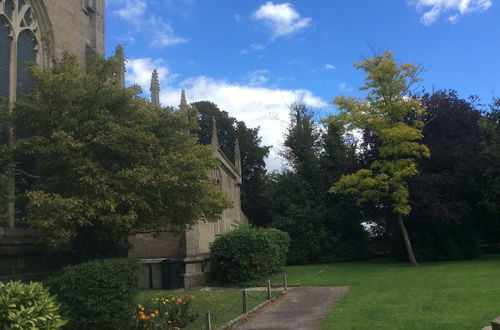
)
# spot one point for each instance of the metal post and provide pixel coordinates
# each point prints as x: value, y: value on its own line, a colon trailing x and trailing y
x: 286, y: 282
x: 245, y: 302
x: 269, y: 295
x: 208, y: 322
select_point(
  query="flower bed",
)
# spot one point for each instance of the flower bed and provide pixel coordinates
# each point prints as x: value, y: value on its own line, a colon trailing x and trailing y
x: 166, y: 313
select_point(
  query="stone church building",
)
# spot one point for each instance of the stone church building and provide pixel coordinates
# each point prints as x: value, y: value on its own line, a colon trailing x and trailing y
x: 40, y: 31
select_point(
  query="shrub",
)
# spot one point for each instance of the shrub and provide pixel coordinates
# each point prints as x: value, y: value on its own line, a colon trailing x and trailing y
x: 247, y: 254
x: 28, y: 306
x: 166, y: 313
x: 434, y: 241
x: 99, y: 294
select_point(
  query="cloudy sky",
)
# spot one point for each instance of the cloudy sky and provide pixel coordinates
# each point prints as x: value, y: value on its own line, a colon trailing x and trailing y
x: 254, y: 58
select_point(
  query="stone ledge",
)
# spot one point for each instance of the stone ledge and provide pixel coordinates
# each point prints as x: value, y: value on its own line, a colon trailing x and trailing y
x: 495, y: 324
x: 197, y: 258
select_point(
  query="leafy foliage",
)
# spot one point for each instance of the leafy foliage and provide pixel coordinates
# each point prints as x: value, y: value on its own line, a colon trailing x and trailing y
x: 490, y: 157
x: 384, y: 111
x: 446, y: 193
x: 109, y: 163
x: 246, y: 254
x: 99, y: 294
x: 28, y: 306
x: 436, y: 241
x: 322, y: 227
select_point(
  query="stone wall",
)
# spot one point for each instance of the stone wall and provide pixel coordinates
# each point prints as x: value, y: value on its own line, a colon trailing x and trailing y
x: 193, y: 246
x: 76, y: 26
x: 163, y: 245
x: 23, y: 257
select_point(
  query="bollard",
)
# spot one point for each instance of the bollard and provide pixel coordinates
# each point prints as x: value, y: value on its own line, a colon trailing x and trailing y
x: 245, y: 301
x: 208, y: 322
x: 269, y: 295
x: 286, y: 282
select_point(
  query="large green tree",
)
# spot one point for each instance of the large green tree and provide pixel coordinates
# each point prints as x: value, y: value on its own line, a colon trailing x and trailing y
x: 322, y: 227
x: 295, y: 198
x: 384, y: 111
x: 490, y: 157
x: 109, y: 164
x: 445, y: 194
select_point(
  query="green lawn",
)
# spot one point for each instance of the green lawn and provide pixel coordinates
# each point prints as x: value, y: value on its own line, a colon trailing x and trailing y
x: 386, y: 295
x: 224, y: 305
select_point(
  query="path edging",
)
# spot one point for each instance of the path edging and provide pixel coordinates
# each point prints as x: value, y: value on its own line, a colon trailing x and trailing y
x: 253, y: 310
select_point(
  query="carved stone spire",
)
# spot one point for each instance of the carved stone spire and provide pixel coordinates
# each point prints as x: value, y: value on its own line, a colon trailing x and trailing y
x: 237, y: 157
x: 120, y: 55
x: 215, y: 139
x: 155, y: 88
x: 183, y: 104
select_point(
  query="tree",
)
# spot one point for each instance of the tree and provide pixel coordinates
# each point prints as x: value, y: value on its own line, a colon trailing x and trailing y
x: 109, y: 164
x: 490, y: 157
x: 253, y: 154
x: 322, y: 227
x: 302, y: 142
x: 342, y: 218
x: 384, y: 112
x: 446, y: 192
x: 294, y: 200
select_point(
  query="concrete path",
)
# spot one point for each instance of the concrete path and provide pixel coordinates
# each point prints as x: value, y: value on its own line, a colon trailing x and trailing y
x: 302, y: 308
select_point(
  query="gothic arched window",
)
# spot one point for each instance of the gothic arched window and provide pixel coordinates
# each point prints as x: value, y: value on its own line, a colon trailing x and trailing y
x: 19, y: 45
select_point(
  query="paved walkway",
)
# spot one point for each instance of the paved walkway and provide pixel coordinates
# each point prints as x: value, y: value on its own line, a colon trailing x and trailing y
x: 302, y: 308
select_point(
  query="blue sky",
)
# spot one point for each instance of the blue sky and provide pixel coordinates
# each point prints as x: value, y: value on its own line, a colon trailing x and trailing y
x: 254, y: 58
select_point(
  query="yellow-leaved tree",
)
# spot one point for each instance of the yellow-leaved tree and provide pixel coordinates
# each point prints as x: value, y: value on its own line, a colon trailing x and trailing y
x: 385, y: 111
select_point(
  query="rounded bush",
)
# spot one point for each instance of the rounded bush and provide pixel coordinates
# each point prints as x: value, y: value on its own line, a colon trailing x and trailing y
x: 28, y: 306
x: 247, y: 254
x: 99, y: 294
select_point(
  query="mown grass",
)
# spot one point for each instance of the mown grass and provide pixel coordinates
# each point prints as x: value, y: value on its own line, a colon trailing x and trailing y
x: 224, y: 305
x: 388, y: 295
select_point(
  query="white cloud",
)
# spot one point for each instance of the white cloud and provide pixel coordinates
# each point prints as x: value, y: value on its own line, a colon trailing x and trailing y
x: 255, y: 105
x: 257, y: 77
x: 164, y: 34
x: 252, y: 48
x: 329, y: 67
x: 135, y: 12
x: 283, y: 19
x: 343, y: 87
x: 139, y: 72
x: 454, y: 8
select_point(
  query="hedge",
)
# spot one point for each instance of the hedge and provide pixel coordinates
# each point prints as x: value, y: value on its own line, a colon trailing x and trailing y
x: 247, y: 254
x: 99, y: 294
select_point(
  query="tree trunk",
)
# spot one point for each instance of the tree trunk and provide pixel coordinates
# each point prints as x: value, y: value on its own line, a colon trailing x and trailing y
x: 406, y: 238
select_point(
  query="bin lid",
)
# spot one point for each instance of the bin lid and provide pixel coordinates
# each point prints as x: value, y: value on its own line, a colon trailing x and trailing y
x: 152, y: 260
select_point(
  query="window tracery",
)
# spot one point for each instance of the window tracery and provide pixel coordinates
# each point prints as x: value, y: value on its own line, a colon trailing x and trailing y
x: 20, y: 40
x: 19, y: 46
